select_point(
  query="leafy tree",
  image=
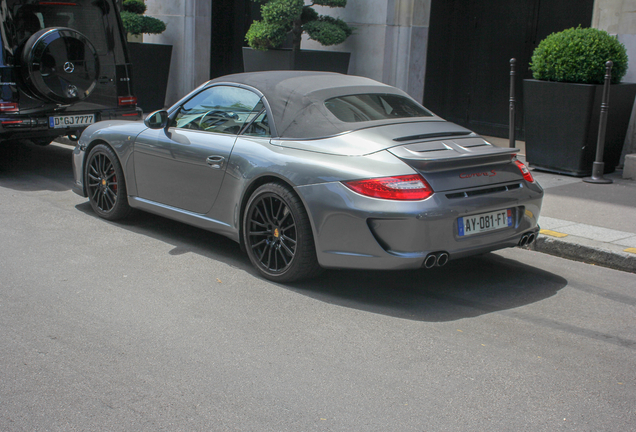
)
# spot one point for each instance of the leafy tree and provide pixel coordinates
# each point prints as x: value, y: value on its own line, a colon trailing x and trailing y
x: 135, y: 22
x: 280, y: 17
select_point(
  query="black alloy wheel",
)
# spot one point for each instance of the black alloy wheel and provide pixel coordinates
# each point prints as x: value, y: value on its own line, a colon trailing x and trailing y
x: 278, y: 235
x: 105, y: 184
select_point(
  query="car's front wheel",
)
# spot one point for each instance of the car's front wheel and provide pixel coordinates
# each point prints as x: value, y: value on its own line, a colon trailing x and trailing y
x: 105, y: 183
x: 277, y: 235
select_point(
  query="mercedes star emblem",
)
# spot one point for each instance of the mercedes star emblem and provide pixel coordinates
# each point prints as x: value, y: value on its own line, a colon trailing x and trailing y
x: 69, y: 67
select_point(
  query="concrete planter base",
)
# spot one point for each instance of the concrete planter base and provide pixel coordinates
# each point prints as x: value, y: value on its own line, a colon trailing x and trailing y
x: 562, y: 120
x: 629, y: 170
x: 283, y: 59
x: 150, y: 72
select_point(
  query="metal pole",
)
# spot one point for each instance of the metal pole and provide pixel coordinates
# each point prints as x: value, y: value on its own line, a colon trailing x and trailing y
x: 511, y: 121
x: 599, y: 166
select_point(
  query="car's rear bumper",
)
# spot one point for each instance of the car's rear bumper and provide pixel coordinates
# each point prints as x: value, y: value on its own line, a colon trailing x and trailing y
x: 352, y: 231
x: 29, y: 126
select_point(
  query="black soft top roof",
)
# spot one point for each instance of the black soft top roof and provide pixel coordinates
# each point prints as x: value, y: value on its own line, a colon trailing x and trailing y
x: 296, y: 99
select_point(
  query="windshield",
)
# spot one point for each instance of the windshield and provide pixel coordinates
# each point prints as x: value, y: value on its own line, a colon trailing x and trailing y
x: 368, y: 107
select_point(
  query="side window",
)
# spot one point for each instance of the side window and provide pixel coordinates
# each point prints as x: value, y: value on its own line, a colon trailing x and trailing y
x: 220, y: 109
x: 260, y: 125
x: 27, y: 21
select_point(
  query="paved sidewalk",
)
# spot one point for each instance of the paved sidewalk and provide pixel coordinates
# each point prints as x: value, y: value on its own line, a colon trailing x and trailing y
x: 593, y: 223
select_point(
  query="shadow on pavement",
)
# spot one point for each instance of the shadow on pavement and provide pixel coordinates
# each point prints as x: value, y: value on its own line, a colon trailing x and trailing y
x: 28, y: 167
x: 184, y: 238
x: 462, y: 289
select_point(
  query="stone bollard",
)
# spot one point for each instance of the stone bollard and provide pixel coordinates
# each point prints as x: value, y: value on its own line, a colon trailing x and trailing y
x: 629, y: 169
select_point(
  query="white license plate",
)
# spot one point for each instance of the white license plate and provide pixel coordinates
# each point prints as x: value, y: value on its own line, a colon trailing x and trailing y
x: 483, y: 222
x: 69, y: 121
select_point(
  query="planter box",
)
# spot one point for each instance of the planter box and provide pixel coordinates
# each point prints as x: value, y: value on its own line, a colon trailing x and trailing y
x: 562, y: 120
x: 150, y: 72
x: 282, y: 59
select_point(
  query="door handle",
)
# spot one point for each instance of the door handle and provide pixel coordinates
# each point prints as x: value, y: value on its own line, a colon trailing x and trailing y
x: 215, y: 162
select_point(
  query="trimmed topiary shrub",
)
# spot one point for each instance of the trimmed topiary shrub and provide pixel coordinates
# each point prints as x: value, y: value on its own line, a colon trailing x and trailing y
x: 280, y: 17
x: 136, y: 23
x: 578, y: 55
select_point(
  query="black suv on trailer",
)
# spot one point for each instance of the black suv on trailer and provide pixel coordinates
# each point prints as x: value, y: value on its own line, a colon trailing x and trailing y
x: 63, y: 66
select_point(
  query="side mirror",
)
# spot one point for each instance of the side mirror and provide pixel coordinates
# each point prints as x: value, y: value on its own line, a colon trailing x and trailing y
x: 157, y: 119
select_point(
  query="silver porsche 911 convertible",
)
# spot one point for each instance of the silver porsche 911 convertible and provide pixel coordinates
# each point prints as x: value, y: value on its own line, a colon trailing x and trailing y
x: 312, y: 170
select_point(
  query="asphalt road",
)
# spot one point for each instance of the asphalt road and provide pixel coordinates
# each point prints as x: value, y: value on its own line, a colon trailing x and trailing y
x: 151, y: 325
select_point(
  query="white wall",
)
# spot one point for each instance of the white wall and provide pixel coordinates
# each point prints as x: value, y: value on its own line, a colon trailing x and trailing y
x: 615, y: 16
x: 188, y: 31
x: 389, y: 42
x: 619, y: 17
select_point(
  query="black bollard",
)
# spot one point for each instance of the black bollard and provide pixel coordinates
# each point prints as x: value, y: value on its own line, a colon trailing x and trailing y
x: 511, y: 121
x: 599, y: 166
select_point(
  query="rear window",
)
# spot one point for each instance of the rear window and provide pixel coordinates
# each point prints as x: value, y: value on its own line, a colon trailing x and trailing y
x: 87, y: 17
x: 369, y: 107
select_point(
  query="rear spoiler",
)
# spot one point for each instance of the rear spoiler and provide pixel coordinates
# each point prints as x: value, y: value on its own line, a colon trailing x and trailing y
x: 454, y: 153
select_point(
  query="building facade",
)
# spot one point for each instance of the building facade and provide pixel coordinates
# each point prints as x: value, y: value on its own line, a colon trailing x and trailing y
x: 395, y: 42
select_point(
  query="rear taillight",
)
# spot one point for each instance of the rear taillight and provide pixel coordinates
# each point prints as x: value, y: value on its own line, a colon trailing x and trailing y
x: 8, y: 107
x: 527, y: 175
x: 402, y: 188
x: 126, y: 100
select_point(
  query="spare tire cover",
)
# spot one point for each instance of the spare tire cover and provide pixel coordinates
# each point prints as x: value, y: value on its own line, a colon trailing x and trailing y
x: 60, y: 65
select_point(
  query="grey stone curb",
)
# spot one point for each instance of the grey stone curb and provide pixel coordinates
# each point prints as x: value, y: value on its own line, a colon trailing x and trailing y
x: 591, y: 254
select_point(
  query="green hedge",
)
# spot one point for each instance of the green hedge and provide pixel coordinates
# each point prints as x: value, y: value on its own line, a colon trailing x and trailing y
x: 283, y: 16
x: 136, y: 23
x: 328, y: 30
x: 578, y: 55
x: 135, y: 6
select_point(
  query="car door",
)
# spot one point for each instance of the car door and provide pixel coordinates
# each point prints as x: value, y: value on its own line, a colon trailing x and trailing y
x: 183, y: 165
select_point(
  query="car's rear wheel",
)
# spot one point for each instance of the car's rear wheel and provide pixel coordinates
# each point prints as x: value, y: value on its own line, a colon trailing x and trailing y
x: 105, y: 183
x: 277, y: 235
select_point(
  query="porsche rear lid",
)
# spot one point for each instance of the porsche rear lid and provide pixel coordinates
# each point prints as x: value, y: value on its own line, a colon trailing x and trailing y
x: 458, y: 162
x: 368, y: 140
x: 449, y: 156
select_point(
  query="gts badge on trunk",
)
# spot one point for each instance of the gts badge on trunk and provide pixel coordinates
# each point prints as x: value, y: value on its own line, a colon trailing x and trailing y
x: 490, y: 173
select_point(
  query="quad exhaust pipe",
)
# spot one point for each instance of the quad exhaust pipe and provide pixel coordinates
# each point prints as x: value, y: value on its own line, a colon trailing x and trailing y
x: 438, y: 259
x: 527, y: 239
